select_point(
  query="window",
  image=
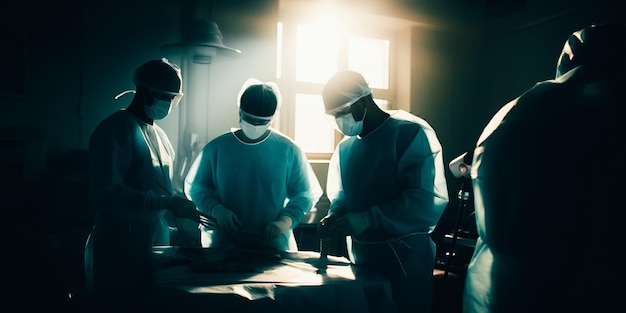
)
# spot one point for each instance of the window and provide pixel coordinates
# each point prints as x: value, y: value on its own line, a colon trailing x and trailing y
x: 310, y: 51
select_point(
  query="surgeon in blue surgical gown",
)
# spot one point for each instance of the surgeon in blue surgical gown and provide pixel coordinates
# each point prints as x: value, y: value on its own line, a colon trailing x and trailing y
x: 387, y: 187
x: 255, y: 181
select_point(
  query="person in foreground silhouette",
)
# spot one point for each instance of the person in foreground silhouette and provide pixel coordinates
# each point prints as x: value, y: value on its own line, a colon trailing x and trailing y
x: 548, y: 188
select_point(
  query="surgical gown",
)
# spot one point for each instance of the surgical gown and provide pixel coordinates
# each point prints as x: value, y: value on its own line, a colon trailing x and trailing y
x: 548, y: 196
x: 397, y: 172
x: 259, y: 182
x: 130, y: 164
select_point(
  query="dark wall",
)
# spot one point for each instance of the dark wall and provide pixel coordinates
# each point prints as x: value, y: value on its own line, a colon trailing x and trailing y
x: 77, y: 56
x: 485, y: 57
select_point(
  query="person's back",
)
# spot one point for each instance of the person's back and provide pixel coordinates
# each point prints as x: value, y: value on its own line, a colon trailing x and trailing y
x: 546, y: 190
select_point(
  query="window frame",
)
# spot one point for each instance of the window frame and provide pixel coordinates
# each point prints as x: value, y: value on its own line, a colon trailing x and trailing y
x: 371, y: 27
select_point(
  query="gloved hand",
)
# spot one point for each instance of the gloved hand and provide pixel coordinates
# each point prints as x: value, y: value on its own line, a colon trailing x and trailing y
x: 183, y: 208
x: 226, y: 219
x: 324, y: 224
x: 351, y: 224
x: 277, y: 227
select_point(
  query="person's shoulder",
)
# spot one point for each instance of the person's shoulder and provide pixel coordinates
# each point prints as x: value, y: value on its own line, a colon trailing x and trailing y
x: 222, y: 139
x: 119, y: 116
x: 552, y: 94
x: 570, y: 81
x: 404, y: 117
x: 278, y: 135
x: 120, y: 120
x: 543, y: 87
x: 284, y: 140
x: 405, y: 120
x: 118, y: 126
x: 347, y: 140
x: 404, y: 123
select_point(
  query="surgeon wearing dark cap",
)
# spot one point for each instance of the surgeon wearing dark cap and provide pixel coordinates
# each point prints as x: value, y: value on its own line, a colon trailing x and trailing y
x: 548, y: 188
x: 255, y: 181
x: 130, y: 191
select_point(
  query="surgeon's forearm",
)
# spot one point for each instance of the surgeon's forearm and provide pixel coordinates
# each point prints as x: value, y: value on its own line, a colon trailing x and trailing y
x: 337, y: 207
x: 297, y: 208
x: 204, y: 199
x: 413, y: 211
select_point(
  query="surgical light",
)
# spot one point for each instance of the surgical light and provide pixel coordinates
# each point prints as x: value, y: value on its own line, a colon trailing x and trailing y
x: 202, y: 40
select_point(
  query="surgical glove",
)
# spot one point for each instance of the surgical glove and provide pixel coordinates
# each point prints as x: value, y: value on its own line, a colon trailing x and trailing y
x: 183, y: 208
x: 226, y: 219
x: 277, y: 227
x: 352, y: 224
x: 324, y: 224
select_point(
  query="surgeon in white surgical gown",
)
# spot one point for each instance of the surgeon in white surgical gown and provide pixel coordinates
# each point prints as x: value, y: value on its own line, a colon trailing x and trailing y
x: 387, y: 188
x: 130, y: 191
x: 255, y: 181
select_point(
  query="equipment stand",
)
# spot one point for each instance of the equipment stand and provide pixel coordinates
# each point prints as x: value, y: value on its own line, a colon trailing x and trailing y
x: 463, y: 196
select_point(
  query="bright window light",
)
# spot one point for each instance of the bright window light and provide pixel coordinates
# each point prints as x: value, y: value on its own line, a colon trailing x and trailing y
x: 279, y: 50
x: 316, y: 53
x: 370, y: 57
x: 313, y: 129
x: 311, y: 49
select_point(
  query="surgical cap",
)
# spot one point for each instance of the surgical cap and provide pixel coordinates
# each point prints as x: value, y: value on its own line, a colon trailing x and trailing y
x: 343, y: 89
x: 258, y: 98
x: 160, y: 75
x: 601, y: 46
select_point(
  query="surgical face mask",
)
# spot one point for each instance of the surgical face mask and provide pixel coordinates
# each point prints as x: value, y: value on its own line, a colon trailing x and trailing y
x: 159, y: 109
x: 253, y: 131
x: 348, y: 125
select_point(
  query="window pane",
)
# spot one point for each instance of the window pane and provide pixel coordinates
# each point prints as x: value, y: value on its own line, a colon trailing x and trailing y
x: 279, y: 50
x: 316, y: 54
x: 370, y: 57
x: 313, y: 131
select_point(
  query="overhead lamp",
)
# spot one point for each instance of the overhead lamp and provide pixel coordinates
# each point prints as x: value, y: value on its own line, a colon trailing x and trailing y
x: 203, y: 40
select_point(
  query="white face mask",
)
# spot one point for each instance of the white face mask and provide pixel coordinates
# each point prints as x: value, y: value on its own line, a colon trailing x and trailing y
x: 253, y: 131
x: 348, y: 126
x: 158, y: 110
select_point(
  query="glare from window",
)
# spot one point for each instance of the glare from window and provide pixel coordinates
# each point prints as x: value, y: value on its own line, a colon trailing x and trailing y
x: 319, y: 50
x: 279, y: 50
x: 314, y: 131
x: 316, y: 53
x: 370, y: 57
